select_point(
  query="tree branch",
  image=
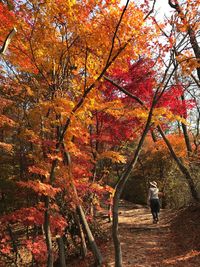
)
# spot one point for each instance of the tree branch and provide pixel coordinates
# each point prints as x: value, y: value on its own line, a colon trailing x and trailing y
x: 7, y: 41
x: 151, y: 11
x: 123, y: 90
x: 175, y: 6
x: 116, y: 30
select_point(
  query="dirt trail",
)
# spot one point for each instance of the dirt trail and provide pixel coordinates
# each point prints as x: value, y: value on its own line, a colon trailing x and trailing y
x: 146, y: 244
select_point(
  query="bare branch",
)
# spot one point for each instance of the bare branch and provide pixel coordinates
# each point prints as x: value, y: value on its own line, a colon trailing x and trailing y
x: 175, y: 6
x: 7, y: 41
x: 151, y: 11
x: 195, y: 80
x: 116, y: 30
x: 123, y: 90
x: 164, y: 33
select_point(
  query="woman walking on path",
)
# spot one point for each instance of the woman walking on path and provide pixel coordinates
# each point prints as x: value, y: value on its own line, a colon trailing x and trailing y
x: 153, y: 201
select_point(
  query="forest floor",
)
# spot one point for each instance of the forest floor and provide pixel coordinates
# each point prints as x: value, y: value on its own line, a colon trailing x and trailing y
x: 174, y: 241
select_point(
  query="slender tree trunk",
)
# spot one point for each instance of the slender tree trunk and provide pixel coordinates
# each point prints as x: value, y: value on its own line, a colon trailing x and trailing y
x: 48, y: 233
x: 93, y: 245
x: 181, y: 166
x: 83, y: 242
x: 82, y: 236
x: 47, y: 229
x: 195, y: 46
x: 119, y: 188
x: 61, y: 250
x: 185, y: 133
x: 187, y: 139
x: 110, y: 207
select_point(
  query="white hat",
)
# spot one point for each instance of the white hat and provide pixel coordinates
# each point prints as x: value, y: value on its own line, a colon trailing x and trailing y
x: 154, y: 184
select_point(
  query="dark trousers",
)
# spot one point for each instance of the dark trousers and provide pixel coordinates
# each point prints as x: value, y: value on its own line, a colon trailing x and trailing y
x: 155, y: 208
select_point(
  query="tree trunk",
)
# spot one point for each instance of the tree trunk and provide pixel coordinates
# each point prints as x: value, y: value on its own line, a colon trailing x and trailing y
x: 83, y: 242
x: 195, y: 46
x: 181, y: 166
x: 185, y: 133
x: 110, y: 207
x: 187, y: 140
x: 48, y: 233
x: 47, y: 229
x: 61, y: 250
x: 94, y: 248
x: 119, y: 188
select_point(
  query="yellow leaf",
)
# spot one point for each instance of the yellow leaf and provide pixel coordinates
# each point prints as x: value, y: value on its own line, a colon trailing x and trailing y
x: 114, y: 156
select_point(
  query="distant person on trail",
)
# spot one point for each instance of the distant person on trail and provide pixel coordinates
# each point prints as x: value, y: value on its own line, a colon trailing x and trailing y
x: 153, y: 201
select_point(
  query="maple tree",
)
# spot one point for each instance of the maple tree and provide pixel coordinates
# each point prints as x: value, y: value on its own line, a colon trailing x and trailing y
x: 52, y: 78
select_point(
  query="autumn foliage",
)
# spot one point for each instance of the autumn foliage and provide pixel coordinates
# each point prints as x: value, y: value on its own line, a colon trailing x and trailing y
x: 64, y: 125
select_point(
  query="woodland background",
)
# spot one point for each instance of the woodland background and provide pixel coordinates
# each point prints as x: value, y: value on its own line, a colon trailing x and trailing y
x: 97, y: 99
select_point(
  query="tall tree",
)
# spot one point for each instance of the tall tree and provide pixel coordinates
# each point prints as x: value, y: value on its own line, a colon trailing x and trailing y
x: 60, y: 54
